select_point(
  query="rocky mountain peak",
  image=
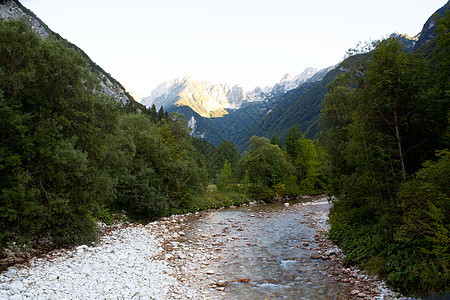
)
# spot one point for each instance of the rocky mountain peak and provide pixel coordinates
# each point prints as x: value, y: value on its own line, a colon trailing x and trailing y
x: 206, y: 98
x: 288, y: 82
x: 407, y: 41
x: 286, y: 78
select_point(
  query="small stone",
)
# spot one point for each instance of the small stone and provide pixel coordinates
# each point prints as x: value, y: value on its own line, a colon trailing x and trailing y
x: 244, y: 280
x: 315, y: 256
x: 210, y: 272
x: 169, y: 272
x: 221, y: 283
x: 354, y: 292
x: 221, y: 289
x: 361, y: 295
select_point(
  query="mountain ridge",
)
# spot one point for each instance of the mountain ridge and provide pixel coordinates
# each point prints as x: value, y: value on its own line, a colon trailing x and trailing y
x: 13, y: 9
x: 217, y: 100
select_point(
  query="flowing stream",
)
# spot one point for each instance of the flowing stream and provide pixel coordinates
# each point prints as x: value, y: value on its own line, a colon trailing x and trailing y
x: 272, y: 247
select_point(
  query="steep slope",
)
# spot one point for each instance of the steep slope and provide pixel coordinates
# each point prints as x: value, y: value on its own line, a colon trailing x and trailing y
x: 301, y: 109
x: 234, y: 126
x: 428, y: 31
x: 14, y: 9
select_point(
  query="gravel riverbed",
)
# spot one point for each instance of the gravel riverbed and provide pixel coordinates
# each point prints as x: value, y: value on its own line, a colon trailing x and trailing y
x: 156, y: 261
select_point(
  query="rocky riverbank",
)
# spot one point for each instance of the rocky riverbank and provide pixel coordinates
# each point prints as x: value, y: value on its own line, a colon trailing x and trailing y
x: 195, y: 261
x: 125, y: 264
x: 166, y: 260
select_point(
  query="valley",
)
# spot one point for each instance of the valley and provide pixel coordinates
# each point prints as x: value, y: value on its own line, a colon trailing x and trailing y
x: 105, y: 197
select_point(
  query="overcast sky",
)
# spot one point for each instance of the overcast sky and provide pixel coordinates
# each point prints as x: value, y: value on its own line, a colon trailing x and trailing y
x: 246, y: 42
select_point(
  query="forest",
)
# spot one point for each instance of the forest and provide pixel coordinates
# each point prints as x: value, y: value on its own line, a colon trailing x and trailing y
x: 71, y: 157
x: 385, y: 130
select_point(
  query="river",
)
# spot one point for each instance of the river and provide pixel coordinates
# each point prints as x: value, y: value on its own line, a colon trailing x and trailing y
x: 264, y: 252
x: 252, y: 252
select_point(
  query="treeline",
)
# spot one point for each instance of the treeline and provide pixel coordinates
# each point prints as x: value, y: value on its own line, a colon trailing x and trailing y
x: 385, y: 129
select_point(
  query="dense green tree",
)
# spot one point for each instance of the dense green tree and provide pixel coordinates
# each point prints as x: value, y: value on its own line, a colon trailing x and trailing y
x: 425, y: 227
x: 153, y: 113
x: 56, y: 130
x: 68, y: 153
x: 161, y: 115
x: 383, y: 116
x: 225, y: 177
x: 291, y: 141
x: 274, y: 140
x: 226, y: 151
x: 304, y: 156
x: 205, y: 152
x: 267, y: 168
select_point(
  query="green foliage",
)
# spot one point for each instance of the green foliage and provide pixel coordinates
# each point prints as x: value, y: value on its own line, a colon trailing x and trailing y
x: 226, y: 151
x: 266, y: 166
x: 213, y: 198
x: 69, y: 154
x: 425, y: 223
x: 205, y: 151
x: 53, y: 138
x: 274, y: 140
x: 309, y: 165
x: 382, y: 118
x: 225, y: 177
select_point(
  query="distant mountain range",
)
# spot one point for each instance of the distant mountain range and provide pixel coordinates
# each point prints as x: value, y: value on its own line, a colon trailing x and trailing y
x: 217, y: 100
x: 218, y: 112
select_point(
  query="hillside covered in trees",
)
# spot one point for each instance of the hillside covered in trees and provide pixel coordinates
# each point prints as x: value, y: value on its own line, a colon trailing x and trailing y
x: 385, y: 129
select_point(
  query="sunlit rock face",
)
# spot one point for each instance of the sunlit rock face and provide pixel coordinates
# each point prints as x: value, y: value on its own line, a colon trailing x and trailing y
x: 205, y: 98
x: 216, y: 100
x: 407, y: 41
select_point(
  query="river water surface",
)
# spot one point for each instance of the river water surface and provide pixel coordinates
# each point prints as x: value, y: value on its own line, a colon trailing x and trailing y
x: 270, y: 246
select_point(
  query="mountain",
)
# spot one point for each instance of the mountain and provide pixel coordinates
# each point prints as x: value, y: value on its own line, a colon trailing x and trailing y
x: 205, y: 98
x: 245, y: 114
x: 217, y: 100
x: 14, y: 9
x: 428, y: 32
x: 407, y: 41
x: 293, y: 101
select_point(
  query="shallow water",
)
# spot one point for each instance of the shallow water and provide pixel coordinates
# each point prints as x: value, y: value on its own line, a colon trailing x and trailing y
x: 270, y: 245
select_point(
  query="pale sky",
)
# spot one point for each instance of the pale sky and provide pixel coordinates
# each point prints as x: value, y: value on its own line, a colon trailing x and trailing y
x: 246, y: 42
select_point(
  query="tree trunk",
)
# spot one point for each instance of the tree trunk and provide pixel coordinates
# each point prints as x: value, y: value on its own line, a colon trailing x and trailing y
x: 399, y: 144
